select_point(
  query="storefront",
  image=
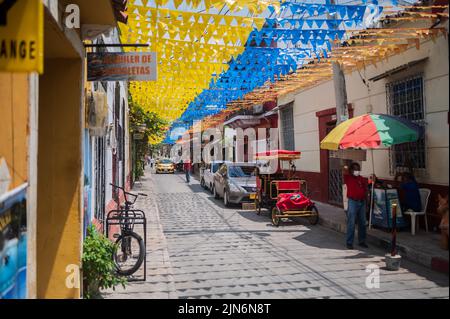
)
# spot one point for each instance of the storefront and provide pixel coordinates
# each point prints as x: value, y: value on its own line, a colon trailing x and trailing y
x: 41, y: 148
x: 21, y: 59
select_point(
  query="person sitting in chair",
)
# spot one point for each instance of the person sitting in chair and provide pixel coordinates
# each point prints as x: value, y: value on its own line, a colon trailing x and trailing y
x: 411, y: 195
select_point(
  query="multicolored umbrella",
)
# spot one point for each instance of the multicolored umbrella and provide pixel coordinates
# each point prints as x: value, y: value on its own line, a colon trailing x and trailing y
x: 372, y: 131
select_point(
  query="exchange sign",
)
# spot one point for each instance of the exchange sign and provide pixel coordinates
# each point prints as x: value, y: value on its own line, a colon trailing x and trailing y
x: 21, y: 35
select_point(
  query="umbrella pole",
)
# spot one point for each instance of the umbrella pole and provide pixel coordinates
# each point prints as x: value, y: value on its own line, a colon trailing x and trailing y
x: 373, y: 192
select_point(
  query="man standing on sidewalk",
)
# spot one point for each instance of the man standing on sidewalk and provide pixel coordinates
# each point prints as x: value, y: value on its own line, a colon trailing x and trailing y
x: 187, y: 170
x: 152, y: 162
x: 357, y: 187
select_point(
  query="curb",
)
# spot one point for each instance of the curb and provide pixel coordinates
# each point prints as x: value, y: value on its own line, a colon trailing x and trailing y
x: 434, y: 263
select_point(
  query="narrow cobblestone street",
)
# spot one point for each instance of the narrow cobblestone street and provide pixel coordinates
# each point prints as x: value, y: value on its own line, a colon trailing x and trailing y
x: 197, y: 248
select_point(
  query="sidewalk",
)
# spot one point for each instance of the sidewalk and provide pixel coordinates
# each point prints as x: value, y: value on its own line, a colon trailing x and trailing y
x: 423, y: 248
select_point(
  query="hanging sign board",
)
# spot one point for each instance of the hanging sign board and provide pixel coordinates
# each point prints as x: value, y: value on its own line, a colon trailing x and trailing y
x: 21, y: 36
x: 107, y: 66
x: 350, y: 154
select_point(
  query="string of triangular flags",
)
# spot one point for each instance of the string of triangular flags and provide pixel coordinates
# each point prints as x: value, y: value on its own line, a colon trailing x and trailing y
x: 209, y: 59
x: 189, y: 45
x: 263, y: 49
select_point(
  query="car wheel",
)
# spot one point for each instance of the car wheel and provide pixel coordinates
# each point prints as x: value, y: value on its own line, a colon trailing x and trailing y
x: 225, y: 199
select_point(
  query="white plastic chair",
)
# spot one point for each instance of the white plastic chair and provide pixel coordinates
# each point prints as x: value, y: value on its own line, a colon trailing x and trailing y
x: 424, y: 197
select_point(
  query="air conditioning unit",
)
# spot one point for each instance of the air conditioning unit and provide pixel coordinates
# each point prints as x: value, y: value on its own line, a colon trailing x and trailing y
x: 97, y: 113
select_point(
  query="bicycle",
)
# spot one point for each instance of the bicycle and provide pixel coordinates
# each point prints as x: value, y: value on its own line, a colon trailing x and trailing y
x: 130, y: 247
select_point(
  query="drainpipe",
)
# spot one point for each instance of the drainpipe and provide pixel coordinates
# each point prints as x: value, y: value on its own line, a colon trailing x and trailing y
x: 340, y: 90
x: 124, y: 170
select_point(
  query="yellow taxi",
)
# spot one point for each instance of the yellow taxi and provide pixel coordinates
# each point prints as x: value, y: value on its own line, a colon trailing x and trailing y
x: 165, y: 166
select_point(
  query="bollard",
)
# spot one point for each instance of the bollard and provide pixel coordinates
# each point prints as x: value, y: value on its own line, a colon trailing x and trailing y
x: 394, y: 230
x: 393, y: 259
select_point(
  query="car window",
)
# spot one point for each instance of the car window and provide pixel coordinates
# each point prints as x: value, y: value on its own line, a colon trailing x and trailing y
x: 215, y: 167
x: 241, y: 171
x: 166, y: 162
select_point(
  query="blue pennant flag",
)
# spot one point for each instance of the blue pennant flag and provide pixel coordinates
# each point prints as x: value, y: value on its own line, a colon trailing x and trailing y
x: 351, y: 10
x: 320, y: 23
x: 321, y: 10
x: 311, y: 10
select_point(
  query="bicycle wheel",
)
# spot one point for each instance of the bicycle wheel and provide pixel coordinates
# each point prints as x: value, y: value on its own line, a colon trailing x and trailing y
x: 129, y: 254
x: 276, y: 220
x: 258, y: 204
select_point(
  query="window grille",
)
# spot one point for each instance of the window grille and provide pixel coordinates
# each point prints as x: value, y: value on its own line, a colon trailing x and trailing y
x: 405, y: 98
x: 100, y: 177
x: 287, y: 124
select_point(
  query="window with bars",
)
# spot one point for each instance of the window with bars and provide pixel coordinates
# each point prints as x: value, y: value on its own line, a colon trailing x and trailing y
x: 405, y: 98
x: 287, y: 125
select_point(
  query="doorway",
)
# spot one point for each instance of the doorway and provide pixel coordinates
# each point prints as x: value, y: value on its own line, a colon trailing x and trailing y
x: 330, y: 165
x: 100, y: 178
x: 335, y: 179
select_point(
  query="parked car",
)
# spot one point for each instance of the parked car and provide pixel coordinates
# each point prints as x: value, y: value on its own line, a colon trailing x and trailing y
x: 165, y: 166
x: 207, y: 174
x: 235, y: 183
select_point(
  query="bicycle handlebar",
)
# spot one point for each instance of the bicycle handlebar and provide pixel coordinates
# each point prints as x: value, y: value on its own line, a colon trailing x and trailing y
x: 127, y: 193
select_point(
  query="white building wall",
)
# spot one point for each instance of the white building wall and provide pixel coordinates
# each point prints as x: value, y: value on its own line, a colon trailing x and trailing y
x: 109, y: 149
x: 321, y: 97
x: 124, y: 96
x: 111, y: 38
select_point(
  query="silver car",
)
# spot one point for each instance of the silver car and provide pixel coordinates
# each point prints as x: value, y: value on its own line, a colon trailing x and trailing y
x: 235, y: 183
x: 207, y: 175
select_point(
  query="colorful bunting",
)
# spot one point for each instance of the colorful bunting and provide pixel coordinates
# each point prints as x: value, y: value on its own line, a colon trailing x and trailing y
x: 216, y: 55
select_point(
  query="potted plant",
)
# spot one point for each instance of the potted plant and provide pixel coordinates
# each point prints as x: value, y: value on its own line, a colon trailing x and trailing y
x: 98, y: 266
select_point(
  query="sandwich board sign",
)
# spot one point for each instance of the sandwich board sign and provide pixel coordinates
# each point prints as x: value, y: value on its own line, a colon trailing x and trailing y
x: 21, y: 36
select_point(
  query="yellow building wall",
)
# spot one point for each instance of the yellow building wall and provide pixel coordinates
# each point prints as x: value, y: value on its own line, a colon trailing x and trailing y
x: 14, y: 125
x: 59, y: 216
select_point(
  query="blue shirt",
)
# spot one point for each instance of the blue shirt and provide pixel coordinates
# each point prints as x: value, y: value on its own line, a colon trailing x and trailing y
x: 412, y: 196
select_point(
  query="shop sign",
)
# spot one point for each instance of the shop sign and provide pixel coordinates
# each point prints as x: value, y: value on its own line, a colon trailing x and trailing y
x: 109, y: 66
x: 138, y: 136
x: 350, y: 154
x: 21, y: 36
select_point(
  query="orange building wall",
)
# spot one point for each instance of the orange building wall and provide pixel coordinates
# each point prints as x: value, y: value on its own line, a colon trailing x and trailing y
x: 14, y: 125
